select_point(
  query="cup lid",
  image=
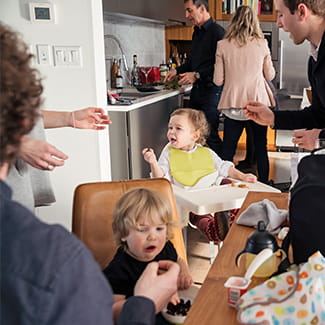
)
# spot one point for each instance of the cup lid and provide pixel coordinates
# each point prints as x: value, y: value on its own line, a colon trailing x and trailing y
x: 261, y: 239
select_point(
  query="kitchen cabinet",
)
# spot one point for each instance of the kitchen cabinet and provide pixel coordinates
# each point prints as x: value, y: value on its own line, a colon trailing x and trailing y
x: 135, y: 129
x: 179, y: 38
x: 223, y: 9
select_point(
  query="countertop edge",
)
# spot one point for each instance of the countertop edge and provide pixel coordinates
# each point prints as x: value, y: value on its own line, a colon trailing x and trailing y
x: 161, y: 95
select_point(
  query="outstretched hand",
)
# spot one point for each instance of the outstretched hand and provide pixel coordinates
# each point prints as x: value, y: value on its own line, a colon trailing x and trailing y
x: 259, y: 113
x: 90, y: 118
x: 41, y: 154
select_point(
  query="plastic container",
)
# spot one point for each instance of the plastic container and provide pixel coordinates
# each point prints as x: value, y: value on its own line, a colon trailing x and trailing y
x: 236, y: 286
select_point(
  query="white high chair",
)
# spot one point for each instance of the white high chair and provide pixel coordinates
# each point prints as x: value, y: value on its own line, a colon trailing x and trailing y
x: 214, y: 199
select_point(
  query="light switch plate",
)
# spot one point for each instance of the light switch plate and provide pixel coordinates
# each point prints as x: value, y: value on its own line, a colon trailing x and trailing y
x: 67, y: 56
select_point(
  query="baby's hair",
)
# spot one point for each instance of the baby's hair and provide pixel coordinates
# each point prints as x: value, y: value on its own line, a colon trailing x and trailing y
x: 198, y: 120
x: 137, y: 204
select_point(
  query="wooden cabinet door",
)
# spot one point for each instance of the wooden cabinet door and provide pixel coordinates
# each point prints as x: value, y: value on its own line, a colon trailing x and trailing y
x: 267, y: 11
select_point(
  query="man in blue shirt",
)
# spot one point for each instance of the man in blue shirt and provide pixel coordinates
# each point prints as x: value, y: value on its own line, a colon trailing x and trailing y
x: 47, y: 276
x: 198, y: 68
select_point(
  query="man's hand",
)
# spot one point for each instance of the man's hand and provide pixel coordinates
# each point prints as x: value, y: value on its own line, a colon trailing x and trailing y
x: 259, y: 113
x: 90, y: 118
x: 170, y: 75
x: 306, y: 139
x: 40, y: 154
x: 157, y: 286
x: 187, y: 78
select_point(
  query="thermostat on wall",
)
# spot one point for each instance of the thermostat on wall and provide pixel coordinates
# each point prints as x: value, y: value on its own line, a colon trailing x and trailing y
x: 41, y: 12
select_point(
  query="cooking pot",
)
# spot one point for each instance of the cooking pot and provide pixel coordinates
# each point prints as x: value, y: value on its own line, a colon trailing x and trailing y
x: 256, y: 242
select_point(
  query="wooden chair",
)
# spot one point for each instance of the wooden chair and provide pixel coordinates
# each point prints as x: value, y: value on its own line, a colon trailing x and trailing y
x: 93, y: 207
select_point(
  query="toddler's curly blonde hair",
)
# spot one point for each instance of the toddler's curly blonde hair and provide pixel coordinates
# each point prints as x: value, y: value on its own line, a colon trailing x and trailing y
x: 137, y: 204
x: 198, y: 120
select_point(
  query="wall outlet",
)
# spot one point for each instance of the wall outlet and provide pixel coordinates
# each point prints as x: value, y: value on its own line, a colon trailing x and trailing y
x: 43, y: 54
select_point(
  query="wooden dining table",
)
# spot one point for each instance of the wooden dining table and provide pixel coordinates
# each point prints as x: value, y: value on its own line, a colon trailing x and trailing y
x: 210, y: 305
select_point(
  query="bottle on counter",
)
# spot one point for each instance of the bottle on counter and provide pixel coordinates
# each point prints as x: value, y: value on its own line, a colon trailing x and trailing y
x: 114, y: 70
x: 135, y: 74
x: 169, y: 63
x: 163, y: 69
x: 119, y: 77
x: 184, y: 58
x: 177, y: 60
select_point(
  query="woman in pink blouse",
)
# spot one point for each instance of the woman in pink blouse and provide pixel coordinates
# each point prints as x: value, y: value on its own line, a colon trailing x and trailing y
x: 243, y: 63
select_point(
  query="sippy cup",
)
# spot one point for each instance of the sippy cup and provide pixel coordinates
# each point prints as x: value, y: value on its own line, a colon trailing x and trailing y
x: 256, y: 242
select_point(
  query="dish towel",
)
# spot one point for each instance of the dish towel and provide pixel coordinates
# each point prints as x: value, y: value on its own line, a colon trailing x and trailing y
x: 264, y: 210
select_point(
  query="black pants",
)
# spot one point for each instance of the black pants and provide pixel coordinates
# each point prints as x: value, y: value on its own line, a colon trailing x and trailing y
x: 232, y: 131
x: 206, y: 99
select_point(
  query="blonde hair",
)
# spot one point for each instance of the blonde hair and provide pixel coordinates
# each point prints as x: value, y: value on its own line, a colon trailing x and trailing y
x: 244, y: 26
x: 137, y: 204
x: 198, y: 120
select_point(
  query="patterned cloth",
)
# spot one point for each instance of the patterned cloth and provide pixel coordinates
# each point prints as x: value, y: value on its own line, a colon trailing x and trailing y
x: 294, y: 297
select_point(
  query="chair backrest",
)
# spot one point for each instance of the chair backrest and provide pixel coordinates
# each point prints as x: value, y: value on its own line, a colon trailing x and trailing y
x: 92, y: 216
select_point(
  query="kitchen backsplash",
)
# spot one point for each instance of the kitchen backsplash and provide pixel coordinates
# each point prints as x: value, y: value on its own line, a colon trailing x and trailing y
x: 145, y: 39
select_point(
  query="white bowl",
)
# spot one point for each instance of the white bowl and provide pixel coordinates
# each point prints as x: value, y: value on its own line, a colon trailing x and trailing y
x: 188, y: 294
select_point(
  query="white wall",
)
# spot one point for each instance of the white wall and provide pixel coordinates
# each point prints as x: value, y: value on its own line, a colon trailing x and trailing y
x: 79, y: 23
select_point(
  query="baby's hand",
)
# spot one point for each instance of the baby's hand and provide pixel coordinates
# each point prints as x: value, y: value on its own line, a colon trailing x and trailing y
x: 175, y: 299
x: 149, y: 155
x: 184, y: 280
x: 250, y: 178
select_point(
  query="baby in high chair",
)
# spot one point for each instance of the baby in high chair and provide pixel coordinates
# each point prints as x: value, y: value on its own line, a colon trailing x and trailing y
x: 186, y: 162
x: 142, y: 227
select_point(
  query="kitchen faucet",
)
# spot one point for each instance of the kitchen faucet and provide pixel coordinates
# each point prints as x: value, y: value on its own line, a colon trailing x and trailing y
x: 126, y: 68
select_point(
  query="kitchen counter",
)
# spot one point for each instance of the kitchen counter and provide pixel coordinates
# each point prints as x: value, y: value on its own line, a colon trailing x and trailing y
x: 147, y: 100
x: 283, y: 138
x: 140, y: 125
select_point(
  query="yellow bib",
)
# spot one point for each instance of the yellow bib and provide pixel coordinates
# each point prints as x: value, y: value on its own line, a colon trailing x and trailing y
x: 188, y: 168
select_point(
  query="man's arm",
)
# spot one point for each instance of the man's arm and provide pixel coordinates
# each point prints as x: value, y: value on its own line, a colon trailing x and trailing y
x: 137, y: 311
x: 81, y: 294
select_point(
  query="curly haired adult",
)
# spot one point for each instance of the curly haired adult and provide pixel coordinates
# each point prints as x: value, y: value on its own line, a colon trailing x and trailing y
x: 20, y: 90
